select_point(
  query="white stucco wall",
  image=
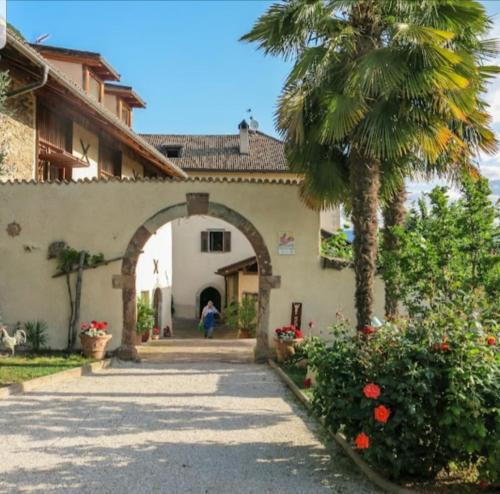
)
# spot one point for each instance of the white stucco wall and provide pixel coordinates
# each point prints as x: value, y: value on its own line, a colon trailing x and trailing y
x: 194, y: 270
x: 75, y: 213
x: 82, y: 135
x: 158, y: 248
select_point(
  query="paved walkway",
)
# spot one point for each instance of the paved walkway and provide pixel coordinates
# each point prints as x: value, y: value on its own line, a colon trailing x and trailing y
x: 173, y: 428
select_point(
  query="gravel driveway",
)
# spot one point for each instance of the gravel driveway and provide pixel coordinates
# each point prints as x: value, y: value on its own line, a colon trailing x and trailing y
x: 177, y: 428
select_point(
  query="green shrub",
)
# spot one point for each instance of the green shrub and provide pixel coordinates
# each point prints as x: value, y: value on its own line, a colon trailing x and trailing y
x: 36, y: 334
x: 242, y: 315
x: 145, y: 316
x: 438, y: 378
x: 337, y: 245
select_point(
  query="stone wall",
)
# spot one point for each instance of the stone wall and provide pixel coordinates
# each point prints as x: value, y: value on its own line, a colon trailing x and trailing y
x: 18, y: 135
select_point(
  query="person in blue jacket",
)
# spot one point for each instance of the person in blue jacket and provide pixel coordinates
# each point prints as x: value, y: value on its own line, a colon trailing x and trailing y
x: 208, y: 318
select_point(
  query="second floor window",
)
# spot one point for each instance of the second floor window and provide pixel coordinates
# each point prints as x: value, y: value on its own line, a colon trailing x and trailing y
x: 215, y: 241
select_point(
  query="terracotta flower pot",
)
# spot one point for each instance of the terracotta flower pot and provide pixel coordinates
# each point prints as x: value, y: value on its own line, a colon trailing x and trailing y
x: 285, y: 349
x: 244, y: 333
x: 94, y: 346
x: 155, y: 337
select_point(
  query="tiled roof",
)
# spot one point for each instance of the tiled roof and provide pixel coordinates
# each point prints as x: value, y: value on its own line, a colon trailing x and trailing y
x: 222, y: 153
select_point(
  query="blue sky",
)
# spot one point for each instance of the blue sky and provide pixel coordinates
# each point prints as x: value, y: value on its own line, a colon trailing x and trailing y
x: 184, y: 59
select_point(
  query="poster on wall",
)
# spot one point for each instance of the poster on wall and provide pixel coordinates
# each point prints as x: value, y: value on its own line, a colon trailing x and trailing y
x: 296, y: 319
x: 286, y: 245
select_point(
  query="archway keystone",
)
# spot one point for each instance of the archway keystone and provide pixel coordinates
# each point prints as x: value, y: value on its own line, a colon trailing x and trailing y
x: 196, y: 203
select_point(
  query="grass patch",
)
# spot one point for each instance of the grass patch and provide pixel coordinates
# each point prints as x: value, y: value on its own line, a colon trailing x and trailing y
x: 18, y: 369
x: 297, y: 375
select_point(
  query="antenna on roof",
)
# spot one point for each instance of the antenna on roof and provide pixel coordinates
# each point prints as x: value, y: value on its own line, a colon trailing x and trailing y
x: 42, y: 38
x: 254, y: 125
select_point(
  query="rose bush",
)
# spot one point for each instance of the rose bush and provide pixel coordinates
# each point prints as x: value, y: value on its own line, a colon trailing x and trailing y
x: 416, y: 397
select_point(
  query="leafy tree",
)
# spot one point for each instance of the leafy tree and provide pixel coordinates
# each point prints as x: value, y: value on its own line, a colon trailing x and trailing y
x: 448, y: 250
x: 376, y: 87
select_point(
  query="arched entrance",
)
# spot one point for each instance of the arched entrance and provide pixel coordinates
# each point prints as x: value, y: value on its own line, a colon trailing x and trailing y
x: 209, y: 293
x: 197, y: 203
x: 157, y: 306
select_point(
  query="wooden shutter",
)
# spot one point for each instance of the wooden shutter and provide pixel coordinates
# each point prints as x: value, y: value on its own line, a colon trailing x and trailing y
x: 227, y: 241
x: 204, y: 241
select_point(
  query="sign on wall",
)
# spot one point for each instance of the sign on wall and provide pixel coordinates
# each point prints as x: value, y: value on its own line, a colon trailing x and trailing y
x: 296, y: 319
x: 286, y: 245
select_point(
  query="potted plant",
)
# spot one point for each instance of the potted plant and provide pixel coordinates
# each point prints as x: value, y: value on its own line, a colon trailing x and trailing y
x: 242, y: 317
x: 156, y: 334
x: 145, y: 320
x: 94, y: 338
x: 286, y: 339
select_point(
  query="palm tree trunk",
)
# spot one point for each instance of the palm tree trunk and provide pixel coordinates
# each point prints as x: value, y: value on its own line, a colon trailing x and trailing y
x: 365, y: 185
x: 394, y: 214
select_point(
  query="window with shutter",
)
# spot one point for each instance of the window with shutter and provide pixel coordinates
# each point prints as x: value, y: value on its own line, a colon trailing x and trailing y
x: 227, y: 241
x: 204, y: 241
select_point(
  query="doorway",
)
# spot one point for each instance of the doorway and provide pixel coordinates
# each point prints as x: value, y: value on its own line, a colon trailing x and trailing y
x: 209, y: 293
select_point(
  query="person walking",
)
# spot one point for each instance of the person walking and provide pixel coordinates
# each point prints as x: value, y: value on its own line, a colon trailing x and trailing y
x: 208, y: 318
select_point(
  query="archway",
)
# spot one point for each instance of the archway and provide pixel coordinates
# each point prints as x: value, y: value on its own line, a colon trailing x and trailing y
x: 209, y: 293
x: 196, y: 203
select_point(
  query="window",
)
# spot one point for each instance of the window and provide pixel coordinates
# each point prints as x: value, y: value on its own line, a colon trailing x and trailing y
x: 172, y: 151
x: 110, y: 161
x: 215, y: 241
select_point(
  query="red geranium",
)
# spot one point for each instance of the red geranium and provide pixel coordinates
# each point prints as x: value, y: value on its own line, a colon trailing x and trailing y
x: 368, y: 330
x: 372, y: 391
x: 362, y: 441
x: 156, y: 331
x: 444, y: 346
x: 491, y: 340
x: 382, y: 414
x: 307, y: 383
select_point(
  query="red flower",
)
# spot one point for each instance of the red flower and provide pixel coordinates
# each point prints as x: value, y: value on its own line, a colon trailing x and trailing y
x: 156, y: 331
x: 93, y: 323
x: 484, y: 484
x: 368, y: 330
x: 371, y: 391
x: 382, y: 414
x: 298, y: 333
x: 362, y: 441
x: 307, y: 383
x: 445, y: 347
x: 491, y: 340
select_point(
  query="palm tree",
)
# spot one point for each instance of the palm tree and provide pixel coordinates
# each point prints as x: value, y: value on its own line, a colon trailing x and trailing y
x: 376, y: 85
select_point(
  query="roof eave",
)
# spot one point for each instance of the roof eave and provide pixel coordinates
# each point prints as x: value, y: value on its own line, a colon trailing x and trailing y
x: 34, y: 56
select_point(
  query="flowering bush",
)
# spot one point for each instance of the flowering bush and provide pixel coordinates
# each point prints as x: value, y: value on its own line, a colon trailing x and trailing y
x: 288, y: 333
x: 95, y: 328
x: 416, y: 397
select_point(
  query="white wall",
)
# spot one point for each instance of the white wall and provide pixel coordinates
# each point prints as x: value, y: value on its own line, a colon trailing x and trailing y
x: 194, y: 270
x: 103, y: 216
x: 159, y: 248
x: 89, y: 139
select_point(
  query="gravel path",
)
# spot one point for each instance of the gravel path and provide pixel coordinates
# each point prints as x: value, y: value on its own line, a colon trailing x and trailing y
x: 177, y: 428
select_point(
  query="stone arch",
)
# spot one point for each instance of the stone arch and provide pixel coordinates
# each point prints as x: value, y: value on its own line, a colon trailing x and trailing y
x: 196, y: 204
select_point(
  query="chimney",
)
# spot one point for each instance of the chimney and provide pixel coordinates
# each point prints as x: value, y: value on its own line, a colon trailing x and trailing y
x: 244, y: 138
